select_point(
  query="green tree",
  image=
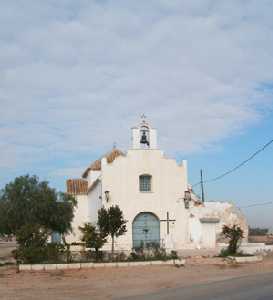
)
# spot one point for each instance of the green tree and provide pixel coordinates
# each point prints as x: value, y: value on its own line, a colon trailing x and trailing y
x: 32, y: 242
x: 235, y: 235
x: 111, y: 222
x: 29, y: 206
x: 92, y: 237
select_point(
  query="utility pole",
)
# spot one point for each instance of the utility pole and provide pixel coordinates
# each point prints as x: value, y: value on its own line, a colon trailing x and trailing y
x: 202, y: 186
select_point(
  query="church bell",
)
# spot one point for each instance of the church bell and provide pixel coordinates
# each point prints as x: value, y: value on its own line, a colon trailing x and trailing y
x: 144, y: 139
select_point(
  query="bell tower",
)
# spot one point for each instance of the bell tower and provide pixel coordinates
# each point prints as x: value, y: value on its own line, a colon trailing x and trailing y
x: 144, y: 136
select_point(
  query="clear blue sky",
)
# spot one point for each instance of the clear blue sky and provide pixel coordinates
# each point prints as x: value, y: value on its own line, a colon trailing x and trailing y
x: 76, y: 75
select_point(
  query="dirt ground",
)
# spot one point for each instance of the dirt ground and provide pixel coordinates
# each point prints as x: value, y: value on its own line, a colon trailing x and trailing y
x: 111, y: 283
x: 267, y: 239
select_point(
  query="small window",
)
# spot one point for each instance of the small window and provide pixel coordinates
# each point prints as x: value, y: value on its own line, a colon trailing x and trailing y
x: 145, y: 183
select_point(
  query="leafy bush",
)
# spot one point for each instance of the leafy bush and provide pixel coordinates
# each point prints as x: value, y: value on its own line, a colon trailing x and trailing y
x: 151, y: 254
x: 93, y: 238
x: 136, y: 256
x: 224, y: 252
x: 30, y: 211
x: 32, y: 244
x: 174, y: 255
x: 111, y: 223
x: 160, y: 254
x: 55, y: 252
x: 120, y: 257
x: 235, y: 235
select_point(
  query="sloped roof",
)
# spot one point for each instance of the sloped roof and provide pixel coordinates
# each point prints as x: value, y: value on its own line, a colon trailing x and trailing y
x: 77, y: 186
x: 96, y: 165
x: 93, y: 185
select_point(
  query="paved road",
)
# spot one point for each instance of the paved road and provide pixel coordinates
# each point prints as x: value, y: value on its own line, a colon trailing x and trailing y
x: 256, y: 287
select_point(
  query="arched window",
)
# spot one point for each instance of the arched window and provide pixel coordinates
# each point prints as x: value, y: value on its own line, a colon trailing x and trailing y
x: 145, y: 183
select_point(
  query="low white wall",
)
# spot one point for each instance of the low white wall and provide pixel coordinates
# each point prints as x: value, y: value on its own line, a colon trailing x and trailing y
x: 253, y: 248
x: 245, y: 259
x: 53, y: 267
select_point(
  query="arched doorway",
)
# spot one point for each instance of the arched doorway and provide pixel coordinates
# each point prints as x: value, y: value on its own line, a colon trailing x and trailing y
x: 146, y: 230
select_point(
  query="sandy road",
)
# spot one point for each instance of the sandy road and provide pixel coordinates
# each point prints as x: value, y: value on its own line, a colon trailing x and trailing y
x: 253, y: 287
x: 110, y: 283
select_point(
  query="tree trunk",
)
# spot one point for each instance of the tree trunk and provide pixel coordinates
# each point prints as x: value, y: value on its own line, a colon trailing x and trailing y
x: 97, y: 254
x: 113, y: 247
x: 67, y: 250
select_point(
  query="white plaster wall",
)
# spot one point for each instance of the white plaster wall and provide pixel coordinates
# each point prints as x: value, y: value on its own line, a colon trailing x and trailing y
x: 94, y: 203
x: 255, y: 248
x: 135, y: 138
x: 169, y: 181
x: 229, y: 215
x: 195, y: 231
x: 224, y: 211
x: 92, y: 176
x: 80, y: 217
x: 153, y: 139
x: 208, y: 235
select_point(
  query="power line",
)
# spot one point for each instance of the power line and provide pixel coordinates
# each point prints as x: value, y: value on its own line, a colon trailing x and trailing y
x: 238, y: 166
x: 258, y: 204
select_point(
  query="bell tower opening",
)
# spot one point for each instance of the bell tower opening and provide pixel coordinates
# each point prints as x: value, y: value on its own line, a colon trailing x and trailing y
x: 144, y: 136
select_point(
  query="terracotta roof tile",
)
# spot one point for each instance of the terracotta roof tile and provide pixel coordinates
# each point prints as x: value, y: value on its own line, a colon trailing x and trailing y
x: 77, y: 186
x: 96, y: 165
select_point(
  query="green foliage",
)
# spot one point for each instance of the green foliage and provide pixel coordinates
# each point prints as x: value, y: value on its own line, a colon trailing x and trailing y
x: 160, y: 254
x: 111, y: 222
x: 174, y: 254
x: 30, y: 210
x: 55, y: 252
x: 92, y: 237
x: 136, y: 256
x: 120, y: 257
x: 4, y: 228
x: 151, y: 254
x: 235, y: 235
x: 224, y: 252
x: 32, y: 244
x: 103, y: 221
x: 26, y: 200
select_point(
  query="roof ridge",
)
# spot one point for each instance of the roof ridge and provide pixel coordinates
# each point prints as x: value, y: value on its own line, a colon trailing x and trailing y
x: 96, y: 164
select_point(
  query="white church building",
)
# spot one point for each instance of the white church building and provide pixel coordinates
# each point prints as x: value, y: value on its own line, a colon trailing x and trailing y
x: 154, y: 195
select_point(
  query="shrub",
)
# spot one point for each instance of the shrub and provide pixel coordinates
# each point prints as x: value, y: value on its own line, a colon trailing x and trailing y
x: 120, y: 257
x: 111, y: 222
x: 235, y: 235
x: 174, y: 254
x: 136, y: 256
x: 148, y: 254
x: 55, y: 252
x: 32, y: 244
x: 224, y: 252
x: 30, y: 211
x: 93, y: 238
x: 160, y: 254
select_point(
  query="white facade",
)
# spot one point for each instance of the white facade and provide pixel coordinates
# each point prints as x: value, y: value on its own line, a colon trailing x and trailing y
x: 160, y: 213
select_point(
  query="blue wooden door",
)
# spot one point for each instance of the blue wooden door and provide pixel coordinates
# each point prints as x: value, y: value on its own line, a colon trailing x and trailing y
x: 146, y: 230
